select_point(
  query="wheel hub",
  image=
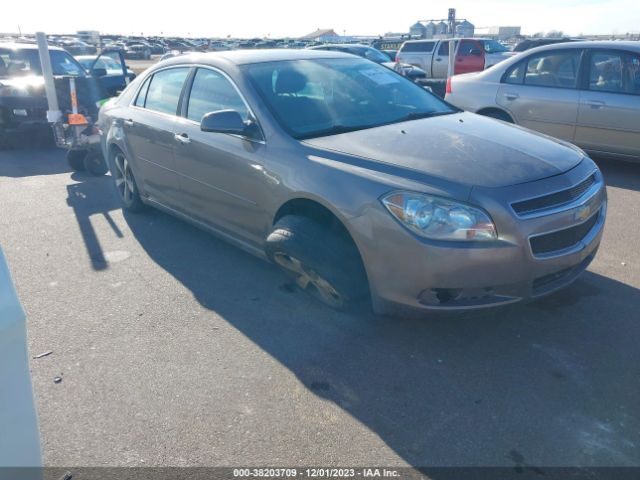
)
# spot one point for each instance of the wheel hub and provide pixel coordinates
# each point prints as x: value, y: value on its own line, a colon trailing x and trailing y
x: 306, y: 277
x: 124, y: 178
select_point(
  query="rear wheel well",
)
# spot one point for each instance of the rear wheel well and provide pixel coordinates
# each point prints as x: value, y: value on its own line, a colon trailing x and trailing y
x: 496, y: 113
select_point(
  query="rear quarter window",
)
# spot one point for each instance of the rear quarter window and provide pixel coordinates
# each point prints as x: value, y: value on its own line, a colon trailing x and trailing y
x: 418, y: 47
x: 515, y: 74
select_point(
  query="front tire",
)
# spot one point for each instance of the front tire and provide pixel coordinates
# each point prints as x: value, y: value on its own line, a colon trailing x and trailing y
x: 321, y: 261
x: 125, y: 183
x: 75, y: 159
x: 94, y: 163
x: 498, y: 115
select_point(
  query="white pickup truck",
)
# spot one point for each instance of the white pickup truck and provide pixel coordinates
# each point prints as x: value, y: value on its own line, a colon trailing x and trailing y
x: 471, y: 55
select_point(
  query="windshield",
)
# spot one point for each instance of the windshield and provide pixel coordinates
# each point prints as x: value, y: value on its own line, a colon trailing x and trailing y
x: 106, y: 62
x: 14, y: 63
x: 312, y: 98
x: 491, y: 46
x: 372, y: 54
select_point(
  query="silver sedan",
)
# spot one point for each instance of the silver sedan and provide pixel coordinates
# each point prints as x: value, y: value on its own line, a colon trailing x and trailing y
x: 359, y: 184
x: 587, y: 93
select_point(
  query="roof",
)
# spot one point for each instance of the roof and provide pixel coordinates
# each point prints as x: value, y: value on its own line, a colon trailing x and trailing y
x: 25, y: 46
x: 612, y: 44
x: 244, y: 57
x: 446, y: 39
x: 328, y: 32
x: 341, y: 45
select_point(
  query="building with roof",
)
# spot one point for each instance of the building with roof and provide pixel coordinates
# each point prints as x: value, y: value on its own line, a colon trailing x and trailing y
x: 504, y: 33
x: 442, y: 28
x: 322, y: 35
x: 418, y: 30
x: 465, y: 29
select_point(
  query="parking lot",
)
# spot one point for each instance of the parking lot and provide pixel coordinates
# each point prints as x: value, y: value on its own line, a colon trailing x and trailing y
x: 175, y: 348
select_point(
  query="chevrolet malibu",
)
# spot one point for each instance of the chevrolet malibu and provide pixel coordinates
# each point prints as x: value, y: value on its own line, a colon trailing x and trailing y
x: 363, y: 187
x: 587, y: 93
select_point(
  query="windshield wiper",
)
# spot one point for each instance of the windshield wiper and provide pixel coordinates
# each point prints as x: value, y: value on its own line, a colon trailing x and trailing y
x: 333, y: 130
x: 419, y: 115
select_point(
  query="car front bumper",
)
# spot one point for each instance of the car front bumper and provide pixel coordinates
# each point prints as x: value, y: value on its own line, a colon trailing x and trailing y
x: 409, y: 271
x: 22, y: 116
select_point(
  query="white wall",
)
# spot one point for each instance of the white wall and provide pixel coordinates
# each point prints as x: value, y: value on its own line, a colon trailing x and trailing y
x: 19, y: 435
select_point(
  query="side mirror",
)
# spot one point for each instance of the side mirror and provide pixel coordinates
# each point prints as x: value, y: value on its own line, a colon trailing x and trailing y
x: 476, y: 52
x: 223, y: 121
x: 99, y: 72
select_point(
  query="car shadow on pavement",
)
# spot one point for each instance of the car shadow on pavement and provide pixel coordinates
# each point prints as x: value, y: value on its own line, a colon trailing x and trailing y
x: 93, y: 196
x: 620, y: 174
x: 548, y: 383
x: 26, y: 162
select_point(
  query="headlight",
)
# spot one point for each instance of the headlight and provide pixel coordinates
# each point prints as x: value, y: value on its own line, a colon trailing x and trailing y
x: 439, y: 218
x: 9, y: 91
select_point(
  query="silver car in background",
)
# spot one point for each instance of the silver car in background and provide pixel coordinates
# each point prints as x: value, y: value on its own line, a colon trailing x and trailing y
x: 587, y: 93
x: 362, y: 186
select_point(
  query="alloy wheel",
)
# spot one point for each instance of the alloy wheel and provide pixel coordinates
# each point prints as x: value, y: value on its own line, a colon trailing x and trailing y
x: 124, y: 179
x: 306, y: 277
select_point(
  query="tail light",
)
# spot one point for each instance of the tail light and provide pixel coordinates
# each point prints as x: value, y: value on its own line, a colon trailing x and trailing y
x: 448, y: 89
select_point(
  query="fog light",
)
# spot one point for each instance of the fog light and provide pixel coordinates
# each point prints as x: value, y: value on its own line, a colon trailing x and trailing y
x: 20, y: 112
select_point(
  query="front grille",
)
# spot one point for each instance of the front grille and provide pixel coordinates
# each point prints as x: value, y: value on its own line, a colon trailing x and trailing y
x: 555, y: 199
x: 562, y: 239
x: 554, y: 280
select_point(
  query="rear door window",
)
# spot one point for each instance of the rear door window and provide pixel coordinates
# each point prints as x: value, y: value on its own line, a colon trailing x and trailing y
x: 163, y: 94
x: 614, y: 72
x: 553, y: 68
x: 415, y: 47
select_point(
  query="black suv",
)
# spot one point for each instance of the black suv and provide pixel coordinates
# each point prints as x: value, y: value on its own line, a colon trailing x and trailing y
x: 23, y: 103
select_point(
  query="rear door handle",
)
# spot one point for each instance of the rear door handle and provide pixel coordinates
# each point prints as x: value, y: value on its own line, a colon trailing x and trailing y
x: 182, y: 138
x: 438, y: 59
x: 128, y: 123
x: 511, y: 96
x: 596, y: 103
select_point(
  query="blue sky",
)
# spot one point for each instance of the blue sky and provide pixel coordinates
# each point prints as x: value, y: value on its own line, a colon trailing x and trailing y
x: 298, y: 17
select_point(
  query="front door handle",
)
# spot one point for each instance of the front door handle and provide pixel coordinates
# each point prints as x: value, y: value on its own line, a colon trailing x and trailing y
x: 182, y: 138
x: 511, y: 96
x: 596, y: 103
x: 438, y: 59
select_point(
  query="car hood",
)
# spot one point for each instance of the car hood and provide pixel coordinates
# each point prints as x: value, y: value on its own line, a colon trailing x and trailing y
x: 503, y: 55
x: 462, y: 148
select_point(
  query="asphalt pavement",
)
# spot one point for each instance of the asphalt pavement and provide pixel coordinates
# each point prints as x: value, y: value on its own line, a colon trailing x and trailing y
x: 175, y: 348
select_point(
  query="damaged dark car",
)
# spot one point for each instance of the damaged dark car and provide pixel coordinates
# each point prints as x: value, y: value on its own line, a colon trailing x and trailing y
x: 23, y: 103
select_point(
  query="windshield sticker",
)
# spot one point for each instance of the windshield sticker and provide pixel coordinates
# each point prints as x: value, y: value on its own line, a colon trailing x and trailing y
x: 379, y: 76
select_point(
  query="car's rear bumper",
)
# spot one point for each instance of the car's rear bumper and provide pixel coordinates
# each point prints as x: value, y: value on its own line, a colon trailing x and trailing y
x: 407, y: 271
